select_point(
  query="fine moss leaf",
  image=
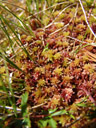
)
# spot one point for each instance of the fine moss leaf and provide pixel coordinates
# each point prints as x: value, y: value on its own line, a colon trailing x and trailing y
x: 24, y: 103
x: 24, y: 111
x: 46, y: 47
x: 81, y: 105
x: 52, y: 123
x: 43, y: 123
x: 52, y: 110
x: 61, y: 112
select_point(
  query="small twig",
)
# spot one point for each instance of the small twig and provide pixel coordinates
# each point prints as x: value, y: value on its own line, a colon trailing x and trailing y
x: 79, y: 118
x: 11, y: 108
x: 66, y: 24
x: 51, y: 7
x: 38, y: 116
x: 62, y: 28
x: 84, y: 42
x: 89, y: 95
x: 86, y: 18
x: 58, y: 30
x: 74, y: 17
x: 91, y: 56
x: 36, y: 106
x: 7, y: 115
x: 93, y: 16
x: 18, y: 109
x: 3, y: 1
x: 9, y: 94
x: 58, y: 16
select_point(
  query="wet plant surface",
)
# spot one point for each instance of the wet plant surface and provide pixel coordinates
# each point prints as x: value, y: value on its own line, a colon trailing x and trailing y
x: 48, y: 64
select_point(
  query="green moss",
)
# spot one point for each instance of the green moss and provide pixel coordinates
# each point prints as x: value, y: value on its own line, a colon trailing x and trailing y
x: 59, y: 43
x: 35, y: 49
x: 92, y: 20
x: 72, y: 1
x: 56, y: 13
x: 45, y: 20
x: 89, y: 2
x: 85, y: 58
x: 41, y: 82
x: 65, y: 62
x: 80, y: 37
x: 58, y: 71
x: 57, y: 56
x: 23, y: 36
x: 94, y: 11
x: 59, y: 25
x: 48, y: 54
x: 28, y: 38
x: 65, y: 43
x: 38, y: 41
x: 66, y: 34
x: 88, y: 67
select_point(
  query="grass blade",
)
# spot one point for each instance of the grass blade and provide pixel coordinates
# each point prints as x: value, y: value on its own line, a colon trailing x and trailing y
x: 6, y: 22
x: 28, y: 3
x: 20, y: 27
x: 18, y: 19
x: 10, y: 62
x: 4, y: 1
x: 7, y: 34
x: 37, y: 5
x: 12, y: 101
x: 24, y: 111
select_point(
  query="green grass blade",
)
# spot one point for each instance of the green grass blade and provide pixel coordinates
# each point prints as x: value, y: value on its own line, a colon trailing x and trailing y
x: 37, y: 5
x: 24, y: 111
x: 61, y: 112
x: 28, y: 3
x: 20, y: 27
x: 7, y: 34
x: 14, y: 65
x: 6, y: 22
x: 6, y: 2
x: 49, y: 2
x: 12, y: 101
x: 18, y: 19
x: 11, y: 63
x: 3, y: 88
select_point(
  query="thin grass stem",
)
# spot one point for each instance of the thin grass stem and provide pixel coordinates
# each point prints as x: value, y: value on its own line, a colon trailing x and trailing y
x: 18, y: 19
